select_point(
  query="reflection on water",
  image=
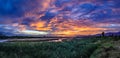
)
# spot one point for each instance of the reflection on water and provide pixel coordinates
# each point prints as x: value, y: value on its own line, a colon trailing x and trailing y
x: 35, y: 40
x: 3, y: 41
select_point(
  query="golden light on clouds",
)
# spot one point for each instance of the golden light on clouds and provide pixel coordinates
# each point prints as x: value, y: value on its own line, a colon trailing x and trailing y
x: 66, y: 28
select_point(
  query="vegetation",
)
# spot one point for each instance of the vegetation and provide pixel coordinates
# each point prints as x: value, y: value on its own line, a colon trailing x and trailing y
x: 109, y: 48
x: 103, y: 34
x: 76, y: 48
x: 67, y: 49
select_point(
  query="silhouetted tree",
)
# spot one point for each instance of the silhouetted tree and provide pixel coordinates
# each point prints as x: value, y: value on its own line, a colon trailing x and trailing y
x: 103, y: 34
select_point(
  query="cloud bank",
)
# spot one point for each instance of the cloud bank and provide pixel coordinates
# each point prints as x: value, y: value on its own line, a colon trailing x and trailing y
x: 60, y: 17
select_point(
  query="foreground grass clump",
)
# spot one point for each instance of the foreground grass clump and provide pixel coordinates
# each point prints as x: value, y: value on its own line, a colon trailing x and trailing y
x: 108, y: 50
x: 68, y: 49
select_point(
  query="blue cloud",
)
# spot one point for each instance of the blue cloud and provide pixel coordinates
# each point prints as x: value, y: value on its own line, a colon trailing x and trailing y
x: 49, y: 15
x: 87, y: 7
x: 115, y: 3
x: 67, y: 8
x: 16, y: 8
x: 63, y: 10
x: 10, y: 7
x: 59, y: 3
x: 7, y: 29
x: 27, y: 21
x: 102, y: 14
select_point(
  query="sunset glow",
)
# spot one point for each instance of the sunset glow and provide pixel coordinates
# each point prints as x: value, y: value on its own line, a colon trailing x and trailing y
x: 59, y: 17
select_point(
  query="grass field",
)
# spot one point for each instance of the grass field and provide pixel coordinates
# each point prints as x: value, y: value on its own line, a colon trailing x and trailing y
x: 96, y: 47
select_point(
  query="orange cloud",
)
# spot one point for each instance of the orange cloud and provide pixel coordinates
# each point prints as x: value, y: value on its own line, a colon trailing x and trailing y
x: 67, y: 27
x: 80, y: 31
x: 40, y: 25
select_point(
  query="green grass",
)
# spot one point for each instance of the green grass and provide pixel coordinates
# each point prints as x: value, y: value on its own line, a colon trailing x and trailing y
x: 84, y: 48
x: 109, y: 49
x: 68, y: 49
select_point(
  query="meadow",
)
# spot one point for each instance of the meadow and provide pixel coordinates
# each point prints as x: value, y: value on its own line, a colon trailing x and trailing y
x: 94, y: 47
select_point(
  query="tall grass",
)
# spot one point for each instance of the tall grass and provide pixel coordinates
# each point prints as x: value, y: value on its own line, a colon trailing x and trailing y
x: 67, y: 49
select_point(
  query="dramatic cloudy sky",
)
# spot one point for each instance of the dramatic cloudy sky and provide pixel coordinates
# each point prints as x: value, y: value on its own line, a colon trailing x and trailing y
x: 59, y: 17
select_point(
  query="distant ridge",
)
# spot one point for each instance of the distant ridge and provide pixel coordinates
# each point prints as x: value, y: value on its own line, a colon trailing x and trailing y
x: 110, y: 34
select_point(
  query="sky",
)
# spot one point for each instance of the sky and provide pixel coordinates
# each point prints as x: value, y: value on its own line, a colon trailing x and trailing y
x: 59, y: 17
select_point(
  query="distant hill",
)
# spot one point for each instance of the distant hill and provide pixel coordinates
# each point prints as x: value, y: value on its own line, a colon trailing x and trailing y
x: 110, y: 34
